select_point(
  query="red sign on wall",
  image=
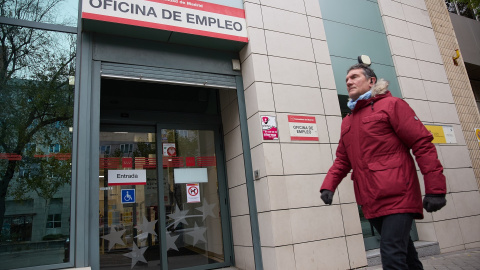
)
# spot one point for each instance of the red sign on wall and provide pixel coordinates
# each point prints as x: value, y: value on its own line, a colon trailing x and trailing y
x: 269, y: 127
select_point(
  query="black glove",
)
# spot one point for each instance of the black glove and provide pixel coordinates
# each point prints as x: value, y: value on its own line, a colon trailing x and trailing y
x: 434, y: 202
x: 326, y: 196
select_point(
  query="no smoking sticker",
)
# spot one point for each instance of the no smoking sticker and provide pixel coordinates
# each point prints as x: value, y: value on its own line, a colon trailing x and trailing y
x: 169, y: 150
x: 193, y: 193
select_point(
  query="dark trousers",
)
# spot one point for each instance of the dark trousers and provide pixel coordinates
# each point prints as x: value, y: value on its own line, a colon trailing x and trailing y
x: 396, y: 246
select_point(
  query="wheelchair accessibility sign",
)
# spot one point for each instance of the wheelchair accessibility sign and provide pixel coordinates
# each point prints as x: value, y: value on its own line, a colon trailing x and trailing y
x: 128, y: 195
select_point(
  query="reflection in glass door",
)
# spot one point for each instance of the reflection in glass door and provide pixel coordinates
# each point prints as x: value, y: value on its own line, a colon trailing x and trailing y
x: 191, y: 197
x: 143, y: 209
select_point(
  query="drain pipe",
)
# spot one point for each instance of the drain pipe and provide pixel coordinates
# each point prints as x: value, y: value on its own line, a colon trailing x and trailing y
x: 252, y: 203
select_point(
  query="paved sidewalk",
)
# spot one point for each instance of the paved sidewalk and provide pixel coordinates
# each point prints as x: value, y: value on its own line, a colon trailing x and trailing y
x: 458, y: 260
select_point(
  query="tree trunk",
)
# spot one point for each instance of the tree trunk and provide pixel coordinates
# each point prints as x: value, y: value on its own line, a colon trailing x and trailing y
x: 7, y: 177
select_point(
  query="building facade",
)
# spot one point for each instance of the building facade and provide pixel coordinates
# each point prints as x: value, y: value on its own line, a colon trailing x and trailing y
x: 191, y: 135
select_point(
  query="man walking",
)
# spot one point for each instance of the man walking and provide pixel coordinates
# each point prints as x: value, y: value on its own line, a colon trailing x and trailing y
x: 376, y: 139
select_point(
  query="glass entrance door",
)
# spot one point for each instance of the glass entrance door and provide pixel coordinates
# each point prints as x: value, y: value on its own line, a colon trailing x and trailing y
x: 160, y: 217
x: 128, y: 214
x: 192, y: 213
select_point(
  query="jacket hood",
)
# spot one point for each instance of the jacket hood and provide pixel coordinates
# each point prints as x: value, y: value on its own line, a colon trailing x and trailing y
x: 381, y: 87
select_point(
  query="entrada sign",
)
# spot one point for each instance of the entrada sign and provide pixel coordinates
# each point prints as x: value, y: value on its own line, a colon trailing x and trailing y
x: 127, y: 177
x: 191, y: 17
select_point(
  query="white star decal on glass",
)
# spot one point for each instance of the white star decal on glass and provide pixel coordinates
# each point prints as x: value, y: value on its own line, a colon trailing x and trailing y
x: 197, y: 234
x: 136, y: 254
x: 146, y: 228
x: 206, y: 209
x: 179, y: 216
x: 114, y: 237
x: 171, y: 241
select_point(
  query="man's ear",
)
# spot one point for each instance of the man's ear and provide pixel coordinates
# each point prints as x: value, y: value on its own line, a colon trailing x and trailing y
x: 373, y: 80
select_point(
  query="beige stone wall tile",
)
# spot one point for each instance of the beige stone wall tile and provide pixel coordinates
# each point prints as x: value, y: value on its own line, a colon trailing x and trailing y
x: 467, y: 203
x: 292, y: 5
x: 447, y: 212
x: 230, y: 117
x: 236, y: 171
x: 313, y: 8
x: 278, y: 258
x: 238, y: 201
x: 241, y: 230
x: 391, y: 8
x: 426, y: 232
x: 316, y: 223
x: 448, y: 233
x: 267, y: 159
x: 470, y: 229
x: 297, y: 99
x: 259, y: 97
x: 303, y: 190
x: 255, y: 69
x: 331, y: 108
x: 321, y: 254
x: 278, y: 192
x: 285, y: 258
x: 255, y: 134
x: 256, y: 43
x: 281, y: 21
x: 275, y: 228
x: 262, y: 195
x: 351, y: 219
x: 293, y: 72
x: 461, y: 179
x: 233, y: 144
x: 306, y: 158
x: 356, y: 251
x: 320, y: 48
x: 289, y: 46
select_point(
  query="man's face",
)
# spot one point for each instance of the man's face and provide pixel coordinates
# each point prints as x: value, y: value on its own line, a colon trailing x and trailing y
x: 357, y: 83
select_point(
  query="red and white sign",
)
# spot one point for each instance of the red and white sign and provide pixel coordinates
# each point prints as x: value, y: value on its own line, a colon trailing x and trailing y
x: 127, y: 177
x: 193, y: 193
x: 303, y: 128
x: 169, y: 150
x: 269, y: 127
x: 185, y: 16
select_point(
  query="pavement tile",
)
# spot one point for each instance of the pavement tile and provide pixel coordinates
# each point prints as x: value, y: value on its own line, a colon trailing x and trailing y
x: 459, y: 260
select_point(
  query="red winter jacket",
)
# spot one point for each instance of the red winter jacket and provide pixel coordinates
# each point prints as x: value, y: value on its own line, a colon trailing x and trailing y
x: 375, y: 142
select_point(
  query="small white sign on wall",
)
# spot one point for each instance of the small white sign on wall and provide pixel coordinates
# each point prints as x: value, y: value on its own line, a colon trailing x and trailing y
x: 303, y: 128
x: 190, y: 175
x: 449, y: 134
